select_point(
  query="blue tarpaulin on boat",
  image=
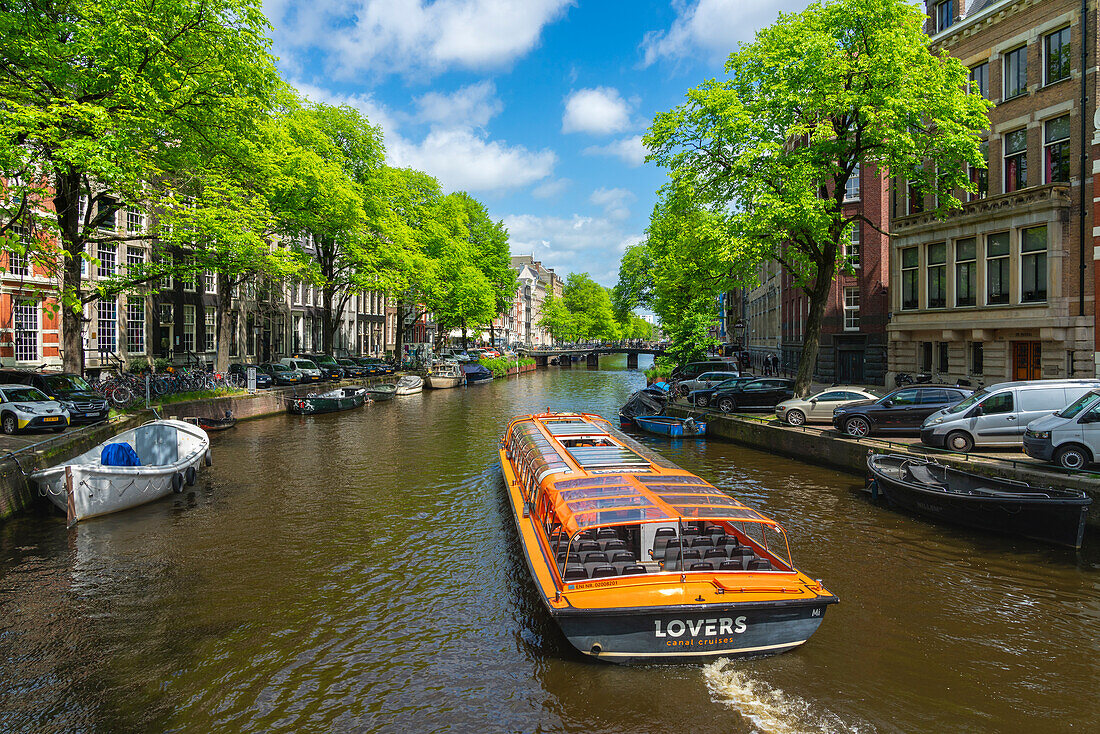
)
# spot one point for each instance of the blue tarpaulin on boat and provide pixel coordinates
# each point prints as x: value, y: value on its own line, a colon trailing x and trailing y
x: 477, y: 370
x: 119, y: 454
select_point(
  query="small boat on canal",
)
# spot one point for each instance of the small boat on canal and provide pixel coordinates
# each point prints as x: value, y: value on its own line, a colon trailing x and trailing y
x: 214, y: 424
x: 639, y: 561
x: 648, y: 401
x: 410, y: 384
x: 1049, y: 514
x: 133, y: 468
x: 342, y: 398
x: 384, y: 391
x: 477, y: 374
x: 666, y: 425
x: 445, y: 375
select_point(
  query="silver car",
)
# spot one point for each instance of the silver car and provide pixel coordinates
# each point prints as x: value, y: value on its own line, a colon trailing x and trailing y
x: 705, y: 381
x: 819, y: 408
x: 23, y: 406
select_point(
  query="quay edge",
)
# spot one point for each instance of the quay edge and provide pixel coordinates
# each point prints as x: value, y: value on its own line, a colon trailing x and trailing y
x: 849, y: 455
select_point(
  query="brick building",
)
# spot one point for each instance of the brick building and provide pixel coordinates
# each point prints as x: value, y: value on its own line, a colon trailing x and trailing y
x: 1003, y: 289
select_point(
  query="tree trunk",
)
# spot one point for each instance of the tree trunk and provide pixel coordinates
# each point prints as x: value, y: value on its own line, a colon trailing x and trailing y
x: 225, y: 330
x: 67, y: 204
x: 464, y: 340
x: 328, y: 322
x: 399, y: 334
x: 819, y: 294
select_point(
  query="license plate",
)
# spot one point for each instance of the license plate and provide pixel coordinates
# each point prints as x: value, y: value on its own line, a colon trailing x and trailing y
x: 90, y: 415
x: 49, y: 420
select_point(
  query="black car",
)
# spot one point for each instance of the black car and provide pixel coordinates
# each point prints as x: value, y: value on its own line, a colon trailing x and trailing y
x: 281, y: 374
x: 375, y: 366
x: 84, y: 404
x: 704, y: 397
x: 241, y: 370
x: 902, y: 410
x: 762, y: 392
x: 352, y: 368
x: 691, y: 370
x: 330, y: 368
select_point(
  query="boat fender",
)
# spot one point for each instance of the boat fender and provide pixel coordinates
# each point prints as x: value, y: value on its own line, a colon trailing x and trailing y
x: 177, y: 482
x: 191, y: 475
x: 209, y: 458
x: 873, y: 486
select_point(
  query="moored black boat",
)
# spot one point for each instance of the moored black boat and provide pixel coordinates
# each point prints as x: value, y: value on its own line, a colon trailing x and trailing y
x: 648, y: 401
x: 477, y: 373
x: 1049, y: 514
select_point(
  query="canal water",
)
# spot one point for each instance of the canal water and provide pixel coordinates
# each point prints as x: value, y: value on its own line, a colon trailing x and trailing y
x: 357, y: 572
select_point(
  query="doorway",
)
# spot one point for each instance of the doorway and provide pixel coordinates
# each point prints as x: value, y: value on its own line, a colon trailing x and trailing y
x: 849, y: 367
x: 1026, y: 360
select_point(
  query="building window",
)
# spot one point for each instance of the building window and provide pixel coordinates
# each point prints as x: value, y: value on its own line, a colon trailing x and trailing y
x: 109, y: 211
x: 996, y: 268
x: 188, y: 342
x: 1016, y: 72
x: 914, y: 199
x: 965, y: 271
x: 926, y: 357
x: 977, y: 358
x: 209, y: 326
x: 979, y: 175
x: 107, y: 326
x: 979, y: 80
x: 851, y: 308
x: 135, y: 327
x: 20, y: 265
x: 851, y: 247
x: 851, y: 188
x: 1056, y: 149
x: 107, y: 254
x: 937, y: 275
x: 941, y: 352
x: 910, y: 277
x: 1033, y: 265
x: 945, y: 15
x: 135, y: 222
x: 209, y: 281
x: 1056, y: 50
x: 25, y: 326
x: 1015, y: 144
x: 135, y: 258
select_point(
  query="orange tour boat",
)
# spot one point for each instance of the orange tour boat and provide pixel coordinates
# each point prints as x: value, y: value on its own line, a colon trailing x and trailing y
x: 639, y: 561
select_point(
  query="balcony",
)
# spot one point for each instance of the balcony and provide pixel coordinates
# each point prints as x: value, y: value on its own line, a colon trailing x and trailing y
x: 1045, y: 197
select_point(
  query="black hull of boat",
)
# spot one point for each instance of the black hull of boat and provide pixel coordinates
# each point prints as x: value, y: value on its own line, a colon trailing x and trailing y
x: 478, y: 380
x: 693, y: 634
x: 216, y: 424
x: 315, y: 406
x: 1057, y: 522
x: 381, y: 395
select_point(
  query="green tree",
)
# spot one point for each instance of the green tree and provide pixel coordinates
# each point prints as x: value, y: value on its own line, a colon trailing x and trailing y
x: 557, y: 319
x: 492, y: 256
x: 768, y: 152
x: 102, y: 98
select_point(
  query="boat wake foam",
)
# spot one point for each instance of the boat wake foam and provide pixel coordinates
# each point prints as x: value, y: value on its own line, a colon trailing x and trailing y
x: 767, y: 708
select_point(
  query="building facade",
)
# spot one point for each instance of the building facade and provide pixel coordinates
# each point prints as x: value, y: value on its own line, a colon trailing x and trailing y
x: 1003, y: 288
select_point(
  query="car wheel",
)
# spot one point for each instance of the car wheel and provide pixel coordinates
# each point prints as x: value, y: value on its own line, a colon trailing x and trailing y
x: 8, y: 424
x: 857, y: 427
x: 1069, y: 457
x: 726, y: 405
x: 960, y: 441
x: 702, y: 401
x: 796, y: 417
x: 683, y: 390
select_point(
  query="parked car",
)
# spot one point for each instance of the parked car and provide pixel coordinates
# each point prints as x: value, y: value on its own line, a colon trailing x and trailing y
x: 998, y: 415
x: 352, y: 368
x: 1069, y: 438
x: 375, y: 366
x: 330, y: 368
x: 762, y: 392
x: 281, y: 374
x: 704, y: 397
x: 819, y: 408
x: 309, y: 371
x: 694, y: 369
x: 23, y: 407
x: 84, y: 404
x: 705, y: 381
x: 903, y: 409
x: 263, y: 380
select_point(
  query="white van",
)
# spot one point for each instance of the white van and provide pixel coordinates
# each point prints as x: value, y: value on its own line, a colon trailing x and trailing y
x: 310, y: 371
x: 1070, y: 437
x: 999, y: 414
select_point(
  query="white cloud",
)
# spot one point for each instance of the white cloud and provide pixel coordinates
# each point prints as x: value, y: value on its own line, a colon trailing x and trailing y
x: 573, y: 244
x: 714, y: 27
x: 600, y: 110
x: 470, y: 106
x: 466, y: 160
x: 412, y: 36
x: 630, y: 150
x: 615, y: 202
x: 375, y: 112
x: 551, y: 189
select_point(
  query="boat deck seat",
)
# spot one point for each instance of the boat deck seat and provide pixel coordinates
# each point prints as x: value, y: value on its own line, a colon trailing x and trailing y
x: 594, y: 560
x: 574, y: 573
x: 678, y: 561
x: 924, y: 475
x: 607, y: 534
x: 622, y: 559
x: 603, y: 572
x: 610, y: 546
x: 672, y: 546
x: 726, y: 540
x: 734, y: 564
x: 714, y: 553
x: 715, y: 530
x: 633, y: 569
x: 701, y: 541
x: 587, y: 546
x: 760, y: 564
x: 701, y: 566
x: 573, y: 558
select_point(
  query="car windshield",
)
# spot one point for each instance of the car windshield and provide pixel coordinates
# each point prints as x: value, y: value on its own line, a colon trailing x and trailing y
x: 279, y: 368
x: 1073, y: 409
x: 305, y: 364
x: 324, y: 360
x: 968, y: 403
x: 23, y: 393
x: 66, y: 382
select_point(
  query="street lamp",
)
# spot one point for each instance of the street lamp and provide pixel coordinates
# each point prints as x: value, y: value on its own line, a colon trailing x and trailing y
x: 739, y: 333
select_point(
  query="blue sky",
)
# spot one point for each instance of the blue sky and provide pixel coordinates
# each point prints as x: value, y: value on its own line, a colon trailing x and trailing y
x: 536, y: 107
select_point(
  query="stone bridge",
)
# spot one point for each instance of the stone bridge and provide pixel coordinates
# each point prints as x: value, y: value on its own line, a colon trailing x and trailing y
x: 590, y: 352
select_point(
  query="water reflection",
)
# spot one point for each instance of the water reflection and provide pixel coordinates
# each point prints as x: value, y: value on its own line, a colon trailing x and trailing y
x: 358, y: 572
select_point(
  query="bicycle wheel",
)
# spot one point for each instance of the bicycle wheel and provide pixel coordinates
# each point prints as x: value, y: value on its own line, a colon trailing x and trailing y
x: 120, y: 396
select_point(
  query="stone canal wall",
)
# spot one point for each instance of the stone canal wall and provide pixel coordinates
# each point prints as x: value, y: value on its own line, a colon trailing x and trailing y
x: 823, y: 448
